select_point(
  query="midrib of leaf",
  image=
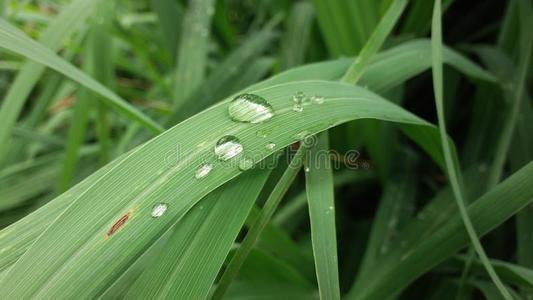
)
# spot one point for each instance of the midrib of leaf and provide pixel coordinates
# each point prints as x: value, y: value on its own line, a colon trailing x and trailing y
x: 436, y: 39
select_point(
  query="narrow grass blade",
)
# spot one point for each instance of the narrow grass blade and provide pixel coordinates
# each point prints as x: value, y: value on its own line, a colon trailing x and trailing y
x: 254, y: 232
x: 78, y: 129
x: 192, y: 53
x: 510, y: 273
x: 346, y: 25
x: 398, y: 197
x: 15, y: 40
x: 170, y: 16
x: 399, y: 63
x: 295, y: 42
x: 103, y: 71
x: 526, y: 46
x: 375, y: 41
x: 319, y: 187
x: 451, y: 166
x: 298, y: 202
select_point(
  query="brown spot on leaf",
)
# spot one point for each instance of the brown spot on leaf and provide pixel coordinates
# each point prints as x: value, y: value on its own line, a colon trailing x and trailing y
x: 118, y: 224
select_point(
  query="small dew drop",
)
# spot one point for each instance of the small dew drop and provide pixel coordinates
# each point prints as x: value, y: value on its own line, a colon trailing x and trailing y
x: 270, y: 146
x: 317, y: 99
x: 298, y: 98
x: 203, y: 170
x: 159, y: 209
x: 306, y: 169
x: 250, y: 108
x: 246, y: 164
x: 297, y: 107
x: 228, y: 147
x: 331, y: 207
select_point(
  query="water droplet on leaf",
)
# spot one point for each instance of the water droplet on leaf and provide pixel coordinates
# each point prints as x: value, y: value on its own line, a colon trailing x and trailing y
x: 203, y: 170
x: 317, y: 99
x: 298, y: 98
x: 159, y: 209
x: 228, y: 147
x: 250, y: 108
x: 270, y: 146
x: 246, y: 164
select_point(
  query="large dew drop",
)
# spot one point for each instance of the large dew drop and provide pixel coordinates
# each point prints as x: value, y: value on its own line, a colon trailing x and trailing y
x: 250, y: 108
x: 228, y: 147
x: 159, y: 209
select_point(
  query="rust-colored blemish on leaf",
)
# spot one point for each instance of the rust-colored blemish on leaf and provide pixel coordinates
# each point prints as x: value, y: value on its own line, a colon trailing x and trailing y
x: 118, y: 224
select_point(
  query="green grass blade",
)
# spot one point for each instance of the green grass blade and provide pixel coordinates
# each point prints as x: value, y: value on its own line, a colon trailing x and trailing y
x: 372, y: 46
x: 511, y: 273
x: 399, y: 63
x: 346, y: 25
x: 170, y: 16
x: 319, y: 187
x: 103, y: 70
x: 70, y: 19
x: 398, y: 196
x: 526, y: 46
x: 452, y: 170
x: 259, y: 225
x: 296, y: 39
x: 192, y: 53
x: 298, y: 202
x: 78, y: 128
x: 15, y: 40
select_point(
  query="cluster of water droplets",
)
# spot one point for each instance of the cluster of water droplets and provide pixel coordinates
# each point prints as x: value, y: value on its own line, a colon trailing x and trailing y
x: 300, y: 99
x: 244, y: 108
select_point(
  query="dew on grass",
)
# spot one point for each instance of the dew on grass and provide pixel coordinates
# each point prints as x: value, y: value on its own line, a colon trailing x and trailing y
x: 159, y: 209
x: 227, y: 147
x: 250, y: 108
x: 203, y: 170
